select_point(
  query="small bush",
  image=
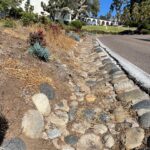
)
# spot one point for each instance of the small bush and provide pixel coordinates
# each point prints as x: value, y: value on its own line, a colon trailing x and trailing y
x: 77, y: 24
x: 37, y: 37
x: 39, y: 51
x: 29, y: 18
x: 44, y: 20
x: 145, y: 31
x: 9, y: 23
x: 38, y: 45
x: 56, y: 29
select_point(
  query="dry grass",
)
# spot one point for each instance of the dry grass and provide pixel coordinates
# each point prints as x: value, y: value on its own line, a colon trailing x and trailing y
x: 31, y: 77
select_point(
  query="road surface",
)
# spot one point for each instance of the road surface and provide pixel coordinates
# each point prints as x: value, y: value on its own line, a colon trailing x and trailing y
x: 134, y: 48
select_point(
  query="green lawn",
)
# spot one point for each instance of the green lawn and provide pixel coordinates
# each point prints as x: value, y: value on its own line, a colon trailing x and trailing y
x: 111, y: 29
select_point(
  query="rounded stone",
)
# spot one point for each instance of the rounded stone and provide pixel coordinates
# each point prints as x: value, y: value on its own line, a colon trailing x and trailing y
x: 144, y: 120
x: 100, y: 129
x: 42, y: 103
x: 71, y: 139
x: 109, y: 141
x: 134, y: 137
x: 33, y: 124
x: 63, y: 105
x: 59, y: 118
x: 88, y: 114
x: 13, y: 144
x: 89, y: 142
x: 55, y: 133
x: 47, y: 90
x: 141, y: 105
x: 90, y: 98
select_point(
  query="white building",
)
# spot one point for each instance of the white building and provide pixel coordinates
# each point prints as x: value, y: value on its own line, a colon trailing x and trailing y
x: 37, y: 5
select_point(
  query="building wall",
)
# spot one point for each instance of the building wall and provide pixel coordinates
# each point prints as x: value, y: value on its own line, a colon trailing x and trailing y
x: 37, y: 5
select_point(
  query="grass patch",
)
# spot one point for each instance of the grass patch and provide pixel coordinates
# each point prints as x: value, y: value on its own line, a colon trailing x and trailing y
x: 106, y: 29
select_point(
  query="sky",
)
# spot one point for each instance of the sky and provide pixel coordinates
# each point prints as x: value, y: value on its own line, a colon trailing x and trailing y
x: 105, y: 5
x: 104, y: 8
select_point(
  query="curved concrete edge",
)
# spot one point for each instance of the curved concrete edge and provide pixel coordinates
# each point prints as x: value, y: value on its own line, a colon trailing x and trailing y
x: 135, y: 72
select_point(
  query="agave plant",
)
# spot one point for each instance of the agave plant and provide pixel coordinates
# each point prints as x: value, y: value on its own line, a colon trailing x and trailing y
x: 39, y: 51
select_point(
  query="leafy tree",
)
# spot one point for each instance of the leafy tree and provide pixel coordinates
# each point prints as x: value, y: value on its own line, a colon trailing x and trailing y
x: 7, y: 5
x: 117, y: 5
x: 28, y: 6
x: 77, y: 8
x: 137, y: 13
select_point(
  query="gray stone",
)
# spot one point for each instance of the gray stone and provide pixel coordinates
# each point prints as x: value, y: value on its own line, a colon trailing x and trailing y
x: 104, y: 117
x: 133, y: 96
x: 107, y: 60
x: 144, y: 120
x: 89, y: 114
x: 98, y: 50
x: 33, y: 124
x: 71, y: 139
x: 145, y: 104
x: 14, y: 144
x: 55, y: 133
x: 47, y: 90
x: 91, y: 83
x: 114, y: 70
x: 72, y: 113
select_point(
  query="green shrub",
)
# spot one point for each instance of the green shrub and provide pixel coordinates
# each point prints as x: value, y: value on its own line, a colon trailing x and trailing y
x: 145, y: 31
x: 39, y: 51
x: 29, y: 18
x: 44, y: 20
x: 77, y: 24
x: 9, y: 23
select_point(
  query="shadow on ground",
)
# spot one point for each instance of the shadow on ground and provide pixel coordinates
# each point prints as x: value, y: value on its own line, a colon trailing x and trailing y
x: 3, y: 127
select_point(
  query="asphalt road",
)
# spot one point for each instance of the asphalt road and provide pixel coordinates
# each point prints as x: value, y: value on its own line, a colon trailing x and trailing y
x: 134, y: 48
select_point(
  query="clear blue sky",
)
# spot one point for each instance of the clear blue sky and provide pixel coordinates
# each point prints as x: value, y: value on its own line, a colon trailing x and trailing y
x: 104, y: 8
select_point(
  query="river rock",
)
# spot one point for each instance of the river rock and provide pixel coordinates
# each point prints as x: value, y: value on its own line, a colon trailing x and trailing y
x: 42, y: 103
x: 71, y: 139
x: 54, y: 133
x: 89, y: 142
x: 109, y: 141
x: 90, y: 98
x: 33, y: 124
x: 59, y: 118
x: 144, y: 120
x: 47, y: 90
x: 13, y: 144
x: 100, y: 129
x: 88, y: 114
x: 124, y: 86
x: 63, y: 105
x: 120, y: 114
x: 142, y: 104
x: 80, y: 127
x: 134, y: 137
x: 133, y: 96
x: 142, y: 107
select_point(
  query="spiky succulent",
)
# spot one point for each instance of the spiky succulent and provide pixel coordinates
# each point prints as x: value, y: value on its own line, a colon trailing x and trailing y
x: 39, y: 51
